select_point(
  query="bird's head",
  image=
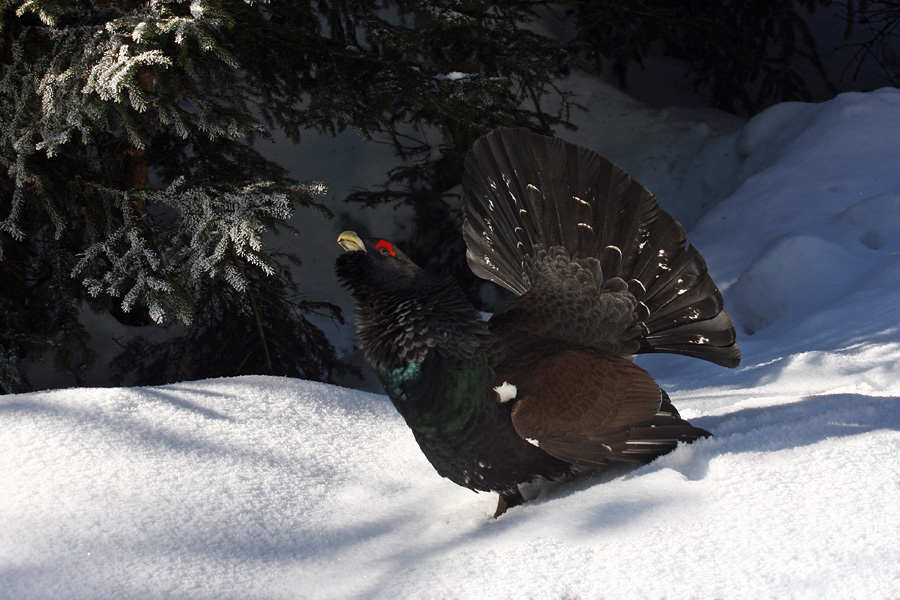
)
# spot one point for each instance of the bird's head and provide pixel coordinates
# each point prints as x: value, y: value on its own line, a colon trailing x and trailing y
x: 374, y: 268
x: 402, y: 311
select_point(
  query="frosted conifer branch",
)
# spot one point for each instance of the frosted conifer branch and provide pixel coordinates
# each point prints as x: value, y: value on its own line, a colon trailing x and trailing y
x: 211, y: 227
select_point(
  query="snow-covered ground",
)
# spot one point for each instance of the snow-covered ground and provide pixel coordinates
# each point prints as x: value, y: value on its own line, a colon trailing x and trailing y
x: 274, y: 488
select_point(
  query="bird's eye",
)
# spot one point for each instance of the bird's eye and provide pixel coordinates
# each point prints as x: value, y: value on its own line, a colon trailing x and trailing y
x: 385, y: 248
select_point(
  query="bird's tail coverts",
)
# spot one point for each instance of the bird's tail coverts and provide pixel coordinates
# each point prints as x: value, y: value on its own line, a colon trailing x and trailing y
x: 524, y: 192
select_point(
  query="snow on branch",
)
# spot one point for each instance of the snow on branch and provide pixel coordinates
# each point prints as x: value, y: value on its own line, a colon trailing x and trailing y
x: 209, y: 230
x: 221, y: 222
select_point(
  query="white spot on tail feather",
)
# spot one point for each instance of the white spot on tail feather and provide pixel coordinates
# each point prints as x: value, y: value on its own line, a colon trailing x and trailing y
x: 506, y: 391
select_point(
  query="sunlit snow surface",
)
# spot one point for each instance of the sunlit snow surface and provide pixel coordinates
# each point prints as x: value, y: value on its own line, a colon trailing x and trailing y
x: 274, y: 488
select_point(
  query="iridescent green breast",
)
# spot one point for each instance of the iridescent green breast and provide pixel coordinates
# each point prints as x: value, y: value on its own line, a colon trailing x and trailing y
x: 439, y: 395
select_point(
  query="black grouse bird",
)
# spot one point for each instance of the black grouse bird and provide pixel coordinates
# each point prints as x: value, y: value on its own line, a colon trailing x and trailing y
x: 546, y: 387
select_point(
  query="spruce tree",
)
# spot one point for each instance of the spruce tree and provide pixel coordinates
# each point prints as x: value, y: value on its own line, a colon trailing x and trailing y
x: 130, y: 186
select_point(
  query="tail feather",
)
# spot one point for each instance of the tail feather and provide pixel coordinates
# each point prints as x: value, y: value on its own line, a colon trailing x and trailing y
x: 639, y: 444
x: 661, y: 243
x: 524, y: 192
x: 660, y: 435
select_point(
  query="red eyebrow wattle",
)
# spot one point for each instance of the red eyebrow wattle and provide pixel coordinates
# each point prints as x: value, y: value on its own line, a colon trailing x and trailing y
x: 385, y: 244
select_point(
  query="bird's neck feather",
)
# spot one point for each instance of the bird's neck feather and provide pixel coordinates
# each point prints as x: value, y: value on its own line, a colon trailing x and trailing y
x: 399, y: 329
x: 430, y: 350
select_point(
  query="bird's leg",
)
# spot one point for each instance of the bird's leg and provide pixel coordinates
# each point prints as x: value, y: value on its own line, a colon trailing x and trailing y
x: 508, y: 498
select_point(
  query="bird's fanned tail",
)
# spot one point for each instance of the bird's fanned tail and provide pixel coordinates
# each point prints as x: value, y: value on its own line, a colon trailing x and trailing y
x: 525, y: 193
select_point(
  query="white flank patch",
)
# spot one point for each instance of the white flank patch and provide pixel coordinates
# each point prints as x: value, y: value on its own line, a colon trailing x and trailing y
x: 506, y: 391
x: 533, y: 442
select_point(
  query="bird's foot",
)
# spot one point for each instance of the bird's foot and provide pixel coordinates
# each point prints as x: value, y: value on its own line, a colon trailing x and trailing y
x: 508, y: 499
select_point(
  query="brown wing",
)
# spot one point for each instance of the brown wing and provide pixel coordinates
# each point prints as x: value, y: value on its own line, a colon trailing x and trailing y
x: 593, y: 409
